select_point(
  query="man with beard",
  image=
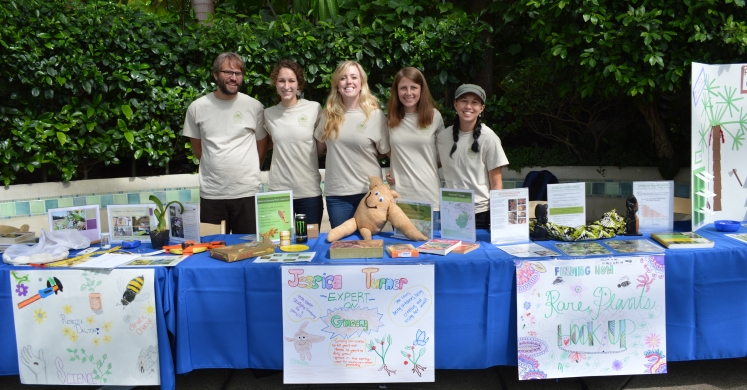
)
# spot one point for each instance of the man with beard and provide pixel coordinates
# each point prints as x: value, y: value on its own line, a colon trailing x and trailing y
x: 227, y: 134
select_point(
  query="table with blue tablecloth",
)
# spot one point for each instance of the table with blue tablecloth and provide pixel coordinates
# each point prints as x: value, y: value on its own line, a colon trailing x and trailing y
x: 9, y: 355
x: 228, y: 315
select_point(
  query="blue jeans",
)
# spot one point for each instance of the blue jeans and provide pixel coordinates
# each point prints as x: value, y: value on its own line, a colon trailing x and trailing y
x: 312, y: 207
x: 342, y: 208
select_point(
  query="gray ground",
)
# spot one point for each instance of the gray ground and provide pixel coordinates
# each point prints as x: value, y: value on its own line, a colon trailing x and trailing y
x: 695, y: 375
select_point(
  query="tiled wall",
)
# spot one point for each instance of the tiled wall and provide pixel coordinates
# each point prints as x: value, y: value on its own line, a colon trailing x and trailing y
x: 607, y: 188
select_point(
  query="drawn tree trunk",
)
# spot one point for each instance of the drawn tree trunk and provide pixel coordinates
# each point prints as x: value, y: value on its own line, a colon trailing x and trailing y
x: 717, y: 136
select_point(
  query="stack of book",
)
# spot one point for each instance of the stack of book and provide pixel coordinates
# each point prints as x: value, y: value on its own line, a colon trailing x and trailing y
x: 402, y: 250
x: 356, y: 249
x: 682, y: 240
x: 438, y: 246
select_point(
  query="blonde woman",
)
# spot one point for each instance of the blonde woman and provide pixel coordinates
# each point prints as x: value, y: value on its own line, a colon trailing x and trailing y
x: 414, y: 124
x: 353, y: 130
x: 290, y: 124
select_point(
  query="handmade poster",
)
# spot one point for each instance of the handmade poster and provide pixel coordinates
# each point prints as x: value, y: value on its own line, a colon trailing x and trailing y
x: 591, y: 317
x: 131, y: 221
x: 509, y: 217
x: 634, y: 246
x: 84, y: 219
x: 655, y: 205
x: 76, y: 327
x: 458, y: 215
x: 299, y: 257
x: 527, y: 250
x: 419, y: 213
x: 274, y: 214
x: 358, y: 323
x: 566, y: 204
x: 719, y: 173
x: 184, y: 226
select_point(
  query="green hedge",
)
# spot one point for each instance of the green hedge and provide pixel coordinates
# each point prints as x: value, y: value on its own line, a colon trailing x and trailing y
x: 100, y: 83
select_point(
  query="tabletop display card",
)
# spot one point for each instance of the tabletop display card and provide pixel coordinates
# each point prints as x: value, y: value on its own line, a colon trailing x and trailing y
x: 84, y: 219
x: 419, y: 213
x: 358, y: 323
x: 509, y: 217
x: 596, y: 317
x: 655, y: 205
x: 131, y: 222
x: 274, y: 214
x: 184, y: 226
x: 566, y: 204
x: 77, y: 327
x: 458, y: 215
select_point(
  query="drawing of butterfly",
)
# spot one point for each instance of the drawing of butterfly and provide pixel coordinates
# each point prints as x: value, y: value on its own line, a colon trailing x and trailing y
x: 420, y: 338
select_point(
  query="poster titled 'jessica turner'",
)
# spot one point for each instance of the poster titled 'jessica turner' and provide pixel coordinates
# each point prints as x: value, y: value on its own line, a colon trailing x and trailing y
x: 595, y: 317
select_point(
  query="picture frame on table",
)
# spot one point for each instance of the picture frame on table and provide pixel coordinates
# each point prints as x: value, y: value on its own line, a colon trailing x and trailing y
x: 131, y: 221
x: 84, y: 219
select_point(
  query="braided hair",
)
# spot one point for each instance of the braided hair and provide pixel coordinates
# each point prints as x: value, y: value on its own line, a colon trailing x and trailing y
x: 475, y: 135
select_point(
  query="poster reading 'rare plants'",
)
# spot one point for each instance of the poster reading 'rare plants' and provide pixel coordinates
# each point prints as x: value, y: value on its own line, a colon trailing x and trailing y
x: 594, y: 317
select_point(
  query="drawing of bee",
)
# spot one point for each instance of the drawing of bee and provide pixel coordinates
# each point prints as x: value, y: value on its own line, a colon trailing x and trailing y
x: 558, y: 280
x: 131, y: 293
x: 624, y: 282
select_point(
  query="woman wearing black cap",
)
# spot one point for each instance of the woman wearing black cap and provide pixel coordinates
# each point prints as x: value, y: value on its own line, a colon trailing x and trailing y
x: 471, y: 154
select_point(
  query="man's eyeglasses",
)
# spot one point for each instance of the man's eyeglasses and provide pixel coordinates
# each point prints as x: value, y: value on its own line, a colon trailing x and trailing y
x: 230, y: 73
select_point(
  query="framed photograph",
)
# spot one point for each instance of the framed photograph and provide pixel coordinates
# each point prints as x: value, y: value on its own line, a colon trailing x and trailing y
x: 131, y: 221
x: 85, y: 219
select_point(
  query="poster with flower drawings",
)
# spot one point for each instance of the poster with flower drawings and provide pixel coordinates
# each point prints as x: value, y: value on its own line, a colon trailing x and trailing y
x: 358, y: 323
x: 593, y: 317
x: 76, y: 327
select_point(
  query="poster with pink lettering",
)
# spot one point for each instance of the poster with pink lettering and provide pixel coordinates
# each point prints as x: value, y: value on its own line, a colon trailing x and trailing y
x: 358, y: 323
x: 591, y: 317
x: 79, y: 327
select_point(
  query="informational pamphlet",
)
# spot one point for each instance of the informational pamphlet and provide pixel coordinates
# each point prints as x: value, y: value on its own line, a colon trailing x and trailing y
x: 155, y: 261
x: 566, y: 204
x: 509, y: 217
x: 634, y: 246
x: 527, y: 250
x: 298, y: 257
x: 274, y: 214
x: 131, y: 221
x: 742, y: 237
x: 582, y: 248
x: 458, y: 215
x: 85, y: 219
x: 184, y: 226
x: 655, y: 205
x: 419, y: 213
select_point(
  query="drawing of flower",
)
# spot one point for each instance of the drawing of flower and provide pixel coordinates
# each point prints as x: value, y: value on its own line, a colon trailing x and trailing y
x: 617, y: 365
x: 73, y: 337
x: 67, y: 309
x: 22, y: 290
x: 107, y: 339
x: 527, y: 305
x: 90, y: 320
x: 108, y: 326
x: 150, y: 309
x: 96, y: 341
x: 653, y: 340
x: 39, y: 315
x: 577, y: 356
x: 67, y: 331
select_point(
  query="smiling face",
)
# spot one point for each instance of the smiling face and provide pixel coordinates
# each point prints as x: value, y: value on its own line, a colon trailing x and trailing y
x: 468, y: 107
x: 349, y: 86
x: 287, y: 86
x: 408, y: 92
x: 229, y: 80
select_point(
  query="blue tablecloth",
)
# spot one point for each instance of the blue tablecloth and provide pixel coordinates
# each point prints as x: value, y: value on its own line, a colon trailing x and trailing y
x: 9, y: 356
x: 229, y: 314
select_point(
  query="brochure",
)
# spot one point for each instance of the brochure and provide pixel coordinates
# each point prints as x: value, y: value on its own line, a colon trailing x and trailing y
x: 155, y: 261
x: 296, y: 257
x: 566, y: 204
x: 528, y: 250
x: 419, y: 213
x: 582, y: 248
x: 655, y: 205
x: 184, y: 226
x: 634, y: 246
x: 274, y: 214
x: 458, y: 215
x: 509, y: 217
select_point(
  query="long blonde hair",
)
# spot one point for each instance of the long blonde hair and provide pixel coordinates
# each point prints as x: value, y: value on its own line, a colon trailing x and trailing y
x: 334, y: 110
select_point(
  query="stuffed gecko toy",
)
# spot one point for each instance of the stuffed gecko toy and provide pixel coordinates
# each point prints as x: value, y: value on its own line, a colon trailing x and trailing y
x: 376, y: 208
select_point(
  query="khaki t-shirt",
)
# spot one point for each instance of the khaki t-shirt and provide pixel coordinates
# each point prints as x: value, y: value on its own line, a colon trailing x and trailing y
x: 352, y: 156
x: 468, y: 170
x: 229, y: 130
x: 295, y: 165
x: 415, y: 159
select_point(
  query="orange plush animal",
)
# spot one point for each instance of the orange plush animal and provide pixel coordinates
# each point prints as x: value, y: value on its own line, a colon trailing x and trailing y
x: 376, y: 208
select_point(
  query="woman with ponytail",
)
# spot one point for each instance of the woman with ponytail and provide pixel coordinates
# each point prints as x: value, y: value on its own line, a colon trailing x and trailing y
x: 414, y: 123
x: 353, y: 131
x: 471, y: 154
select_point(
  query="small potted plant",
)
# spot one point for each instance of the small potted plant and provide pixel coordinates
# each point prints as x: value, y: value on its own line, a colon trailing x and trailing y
x: 159, y: 237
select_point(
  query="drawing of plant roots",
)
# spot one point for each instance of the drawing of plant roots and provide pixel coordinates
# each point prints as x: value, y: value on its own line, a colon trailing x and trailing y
x: 416, y: 368
x: 98, y: 372
x: 372, y: 347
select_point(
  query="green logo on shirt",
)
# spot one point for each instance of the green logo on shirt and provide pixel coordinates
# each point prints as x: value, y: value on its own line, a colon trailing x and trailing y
x: 303, y: 120
x: 238, y: 117
x: 470, y: 153
x: 361, y: 128
x: 424, y: 130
